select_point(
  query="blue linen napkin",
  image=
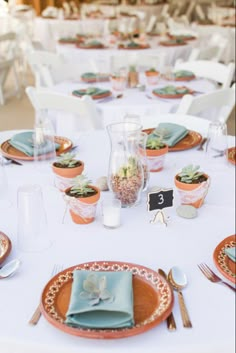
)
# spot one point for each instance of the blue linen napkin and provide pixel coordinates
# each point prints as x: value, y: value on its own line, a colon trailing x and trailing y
x: 171, y: 90
x: 183, y: 73
x: 172, y: 133
x: 24, y: 143
x: 114, y: 311
x: 91, y: 91
x: 231, y: 253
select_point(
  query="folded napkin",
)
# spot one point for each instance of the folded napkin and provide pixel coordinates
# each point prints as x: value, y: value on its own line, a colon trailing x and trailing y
x: 183, y: 73
x: 231, y: 253
x: 94, y: 76
x: 92, y: 43
x: 24, y: 143
x: 171, y: 90
x: 91, y: 91
x: 101, y: 300
x: 172, y: 133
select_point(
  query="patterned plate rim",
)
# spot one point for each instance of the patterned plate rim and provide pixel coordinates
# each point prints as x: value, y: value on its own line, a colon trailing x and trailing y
x: 177, y: 148
x: 4, y: 239
x: 156, y: 281
x: 231, y: 150
x: 58, y: 139
x: 220, y: 257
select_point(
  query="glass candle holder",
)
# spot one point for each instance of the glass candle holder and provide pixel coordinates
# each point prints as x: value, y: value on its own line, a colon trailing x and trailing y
x: 111, y: 212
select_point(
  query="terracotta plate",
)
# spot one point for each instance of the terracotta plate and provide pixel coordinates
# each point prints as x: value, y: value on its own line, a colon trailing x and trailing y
x: 232, y: 155
x: 153, y: 299
x: 224, y: 264
x: 95, y: 96
x: 101, y: 78
x: 81, y: 46
x: 173, y: 96
x: 5, y: 246
x: 189, y: 141
x: 144, y: 46
x: 171, y: 44
x: 11, y: 152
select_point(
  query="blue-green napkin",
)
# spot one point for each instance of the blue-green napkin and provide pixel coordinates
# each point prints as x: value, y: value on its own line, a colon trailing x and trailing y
x: 24, y: 143
x: 114, y: 307
x: 91, y: 91
x: 183, y: 73
x: 231, y: 253
x: 171, y: 90
x: 172, y: 133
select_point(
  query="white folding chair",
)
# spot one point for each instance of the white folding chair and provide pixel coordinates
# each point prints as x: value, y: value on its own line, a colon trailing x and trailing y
x: 213, y: 53
x: 218, y: 72
x: 8, y: 50
x: 216, y: 105
x: 69, y: 114
x: 47, y: 67
x: 151, y: 23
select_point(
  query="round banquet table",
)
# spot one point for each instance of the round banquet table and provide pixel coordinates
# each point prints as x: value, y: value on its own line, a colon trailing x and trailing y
x: 113, y: 110
x: 183, y: 242
x: 74, y: 55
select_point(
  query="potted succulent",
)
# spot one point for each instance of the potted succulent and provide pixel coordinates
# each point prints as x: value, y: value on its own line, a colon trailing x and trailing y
x: 152, y: 76
x: 118, y: 81
x: 66, y: 168
x: 156, y: 151
x: 82, y: 198
x: 133, y: 78
x: 192, y: 185
x: 127, y: 182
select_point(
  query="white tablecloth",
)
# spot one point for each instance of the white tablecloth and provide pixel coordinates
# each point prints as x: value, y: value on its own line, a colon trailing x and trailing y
x: 184, y: 243
x: 133, y: 101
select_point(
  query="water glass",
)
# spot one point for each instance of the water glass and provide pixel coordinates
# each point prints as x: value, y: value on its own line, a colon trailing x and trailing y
x: 32, y: 233
x: 111, y: 212
x: 216, y: 147
x: 4, y: 191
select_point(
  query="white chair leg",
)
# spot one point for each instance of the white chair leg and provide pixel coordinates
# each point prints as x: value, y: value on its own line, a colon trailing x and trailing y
x: 1, y: 96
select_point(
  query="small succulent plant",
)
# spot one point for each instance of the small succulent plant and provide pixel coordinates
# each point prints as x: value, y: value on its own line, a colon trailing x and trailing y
x: 130, y: 169
x: 132, y: 68
x: 155, y: 141
x: 152, y: 69
x: 80, y: 186
x: 189, y: 174
x: 67, y: 160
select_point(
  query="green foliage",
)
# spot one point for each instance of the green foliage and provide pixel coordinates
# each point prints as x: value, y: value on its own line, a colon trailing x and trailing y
x: 81, y: 186
x: 190, y: 173
x: 130, y: 169
x: 155, y: 141
x: 67, y: 160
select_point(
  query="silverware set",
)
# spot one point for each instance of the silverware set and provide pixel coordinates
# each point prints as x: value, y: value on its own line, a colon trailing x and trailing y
x: 37, y: 313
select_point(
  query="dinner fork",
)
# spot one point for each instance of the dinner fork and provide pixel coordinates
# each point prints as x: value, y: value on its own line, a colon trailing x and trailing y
x: 212, y: 276
x: 37, y: 313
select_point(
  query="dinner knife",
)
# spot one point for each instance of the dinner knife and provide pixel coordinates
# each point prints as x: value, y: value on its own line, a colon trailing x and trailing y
x: 13, y: 161
x: 171, y: 324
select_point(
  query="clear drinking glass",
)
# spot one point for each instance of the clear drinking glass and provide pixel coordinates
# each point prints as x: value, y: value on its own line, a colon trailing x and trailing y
x: 32, y: 235
x: 216, y: 146
x: 43, y: 141
x: 143, y: 155
x: 4, y: 191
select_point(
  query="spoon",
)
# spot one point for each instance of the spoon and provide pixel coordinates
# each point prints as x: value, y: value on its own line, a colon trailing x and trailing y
x: 178, y: 280
x: 8, y: 269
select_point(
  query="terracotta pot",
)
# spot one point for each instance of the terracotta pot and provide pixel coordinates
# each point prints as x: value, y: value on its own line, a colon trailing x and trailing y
x: 118, y: 83
x: 193, y: 194
x: 156, y: 158
x: 65, y: 176
x: 152, y: 77
x: 83, y: 209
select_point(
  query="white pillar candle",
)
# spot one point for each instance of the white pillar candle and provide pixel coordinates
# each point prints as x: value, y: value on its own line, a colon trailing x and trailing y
x: 111, y: 210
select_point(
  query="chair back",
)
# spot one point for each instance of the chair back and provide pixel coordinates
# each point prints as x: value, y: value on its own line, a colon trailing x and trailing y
x: 216, y: 105
x: 64, y: 108
x: 218, y: 72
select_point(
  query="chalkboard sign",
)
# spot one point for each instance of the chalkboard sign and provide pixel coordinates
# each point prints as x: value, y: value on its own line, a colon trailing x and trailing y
x: 160, y: 199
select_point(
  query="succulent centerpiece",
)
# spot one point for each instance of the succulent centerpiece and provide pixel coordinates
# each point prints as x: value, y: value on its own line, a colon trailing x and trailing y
x: 192, y: 185
x: 156, y: 150
x: 152, y: 76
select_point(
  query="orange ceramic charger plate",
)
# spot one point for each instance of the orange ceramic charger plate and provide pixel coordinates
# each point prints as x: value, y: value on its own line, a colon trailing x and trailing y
x: 153, y: 300
x: 173, y: 96
x: 141, y: 46
x: 169, y: 44
x: 94, y: 96
x: 232, y: 155
x: 11, y: 152
x: 5, y: 246
x: 224, y: 264
x: 192, y: 139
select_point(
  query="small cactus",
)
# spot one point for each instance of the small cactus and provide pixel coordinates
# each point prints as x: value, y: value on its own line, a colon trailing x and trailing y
x: 67, y: 160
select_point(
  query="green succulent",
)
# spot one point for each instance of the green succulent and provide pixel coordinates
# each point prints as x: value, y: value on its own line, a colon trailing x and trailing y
x: 190, y: 173
x: 132, y: 68
x: 81, y: 186
x: 130, y: 169
x: 154, y: 142
x: 67, y: 160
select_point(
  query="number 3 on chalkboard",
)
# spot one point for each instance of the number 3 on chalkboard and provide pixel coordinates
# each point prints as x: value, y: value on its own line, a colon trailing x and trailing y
x: 160, y: 199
